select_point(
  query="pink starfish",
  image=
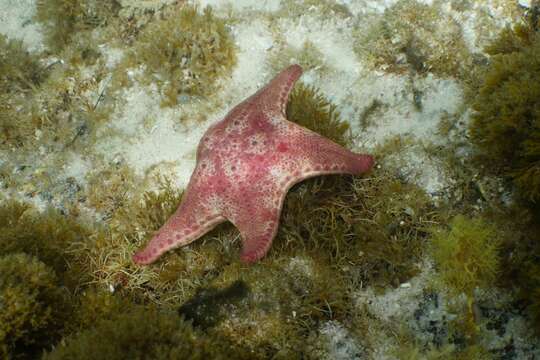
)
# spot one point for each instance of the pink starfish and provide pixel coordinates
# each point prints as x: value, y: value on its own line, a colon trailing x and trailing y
x: 246, y: 163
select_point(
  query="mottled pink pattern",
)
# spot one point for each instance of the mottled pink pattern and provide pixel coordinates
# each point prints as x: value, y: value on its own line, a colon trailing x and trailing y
x: 246, y: 163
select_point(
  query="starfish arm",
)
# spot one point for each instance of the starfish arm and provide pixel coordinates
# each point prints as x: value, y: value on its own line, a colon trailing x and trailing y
x: 194, y: 217
x: 258, y: 224
x: 319, y: 155
x: 274, y: 96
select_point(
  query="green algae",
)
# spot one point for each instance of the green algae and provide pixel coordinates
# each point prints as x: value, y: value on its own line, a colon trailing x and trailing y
x: 20, y: 74
x: 20, y: 70
x: 186, y: 53
x: 109, y: 189
x: 467, y: 257
x: 289, y: 299
x: 505, y: 131
x: 94, y: 305
x: 309, y: 108
x: 520, y: 262
x: 506, y: 124
x: 45, y: 106
x: 46, y: 236
x: 145, y: 332
x: 413, y: 37
x: 31, y: 300
x: 351, y: 221
x: 62, y: 19
x: 308, y: 56
x: 293, y: 9
x: 448, y: 352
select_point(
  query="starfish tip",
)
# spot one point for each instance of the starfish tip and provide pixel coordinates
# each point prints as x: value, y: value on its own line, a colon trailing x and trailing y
x: 295, y: 68
x: 365, y: 163
x: 249, y: 258
x: 369, y: 161
x: 141, y: 259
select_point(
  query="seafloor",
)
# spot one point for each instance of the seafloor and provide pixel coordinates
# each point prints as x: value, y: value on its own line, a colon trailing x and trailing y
x: 102, y: 105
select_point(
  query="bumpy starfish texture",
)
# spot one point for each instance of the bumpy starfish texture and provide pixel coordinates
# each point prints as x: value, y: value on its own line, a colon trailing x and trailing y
x: 246, y: 163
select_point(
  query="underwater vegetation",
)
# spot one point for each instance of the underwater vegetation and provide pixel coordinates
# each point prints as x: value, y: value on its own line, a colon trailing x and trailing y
x: 467, y: 257
x: 145, y: 333
x: 64, y: 18
x: 411, y: 36
x: 350, y: 224
x: 309, y: 108
x: 185, y: 53
x: 505, y: 130
x: 45, y: 236
x: 505, y: 126
x: 31, y: 299
x: 446, y: 352
x: 20, y: 73
x: 46, y: 294
x: 308, y: 56
x: 293, y: 9
x: 43, y: 105
x: 109, y: 189
x: 39, y: 277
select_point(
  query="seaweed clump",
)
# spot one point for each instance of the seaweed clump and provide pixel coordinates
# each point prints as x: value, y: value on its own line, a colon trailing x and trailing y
x: 308, y: 56
x: 411, y: 35
x: 31, y: 300
x: 505, y: 126
x: 467, y: 257
x: 145, y: 333
x: 309, y: 108
x: 186, y: 53
x: 19, y: 70
x: 20, y: 74
x: 64, y: 18
x: 39, y: 277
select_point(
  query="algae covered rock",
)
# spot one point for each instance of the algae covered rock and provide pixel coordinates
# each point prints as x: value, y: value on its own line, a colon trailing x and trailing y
x: 186, y: 53
x: 29, y: 300
x: 20, y: 73
x: 467, y: 255
x: 145, y: 333
x: 63, y: 18
x: 506, y: 123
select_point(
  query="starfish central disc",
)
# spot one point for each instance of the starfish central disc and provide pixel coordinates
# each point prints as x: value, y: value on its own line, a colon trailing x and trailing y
x: 246, y: 163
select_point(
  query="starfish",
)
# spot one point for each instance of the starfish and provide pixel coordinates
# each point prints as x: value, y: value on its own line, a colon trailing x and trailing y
x: 246, y: 163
